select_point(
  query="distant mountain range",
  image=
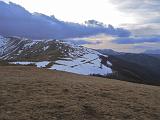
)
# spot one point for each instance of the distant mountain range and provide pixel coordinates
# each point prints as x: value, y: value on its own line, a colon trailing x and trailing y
x: 17, y: 21
x: 109, y: 52
x: 152, y: 51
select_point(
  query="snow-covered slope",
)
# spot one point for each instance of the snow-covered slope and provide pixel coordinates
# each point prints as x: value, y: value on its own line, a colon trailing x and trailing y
x: 54, y: 54
x: 2, y: 44
x: 88, y: 63
x: 10, y: 46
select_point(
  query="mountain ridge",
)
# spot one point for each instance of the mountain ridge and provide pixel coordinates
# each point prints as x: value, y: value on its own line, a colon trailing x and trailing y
x: 53, y: 54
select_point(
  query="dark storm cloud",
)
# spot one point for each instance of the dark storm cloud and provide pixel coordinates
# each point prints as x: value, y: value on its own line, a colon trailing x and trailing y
x: 83, y: 42
x: 80, y: 41
x: 16, y: 21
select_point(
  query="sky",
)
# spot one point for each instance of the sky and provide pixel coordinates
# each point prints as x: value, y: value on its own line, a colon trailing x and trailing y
x: 141, y: 17
x: 79, y: 10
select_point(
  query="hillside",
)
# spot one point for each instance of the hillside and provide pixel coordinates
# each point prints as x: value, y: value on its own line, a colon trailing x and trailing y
x: 139, y: 68
x: 30, y: 93
x: 53, y: 54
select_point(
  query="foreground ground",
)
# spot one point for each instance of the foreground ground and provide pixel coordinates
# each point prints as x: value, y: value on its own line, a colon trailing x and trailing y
x: 29, y: 93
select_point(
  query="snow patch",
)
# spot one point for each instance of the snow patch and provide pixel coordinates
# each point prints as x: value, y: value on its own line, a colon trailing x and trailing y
x: 42, y: 64
x: 45, y: 48
x: 23, y: 63
x: 88, y: 64
x: 109, y: 63
x: 29, y: 45
x: 38, y: 64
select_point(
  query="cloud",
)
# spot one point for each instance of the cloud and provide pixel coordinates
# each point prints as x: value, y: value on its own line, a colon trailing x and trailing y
x: 138, y: 6
x: 17, y: 21
x: 80, y: 41
x: 145, y: 12
x: 136, y: 40
x: 150, y: 29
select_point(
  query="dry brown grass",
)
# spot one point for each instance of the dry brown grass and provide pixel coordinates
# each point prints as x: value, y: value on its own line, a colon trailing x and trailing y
x: 29, y: 93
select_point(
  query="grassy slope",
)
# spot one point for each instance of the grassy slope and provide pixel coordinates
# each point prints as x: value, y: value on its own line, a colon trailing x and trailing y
x: 29, y: 93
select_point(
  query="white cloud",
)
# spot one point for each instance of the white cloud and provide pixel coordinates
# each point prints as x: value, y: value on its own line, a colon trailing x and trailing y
x: 146, y: 13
